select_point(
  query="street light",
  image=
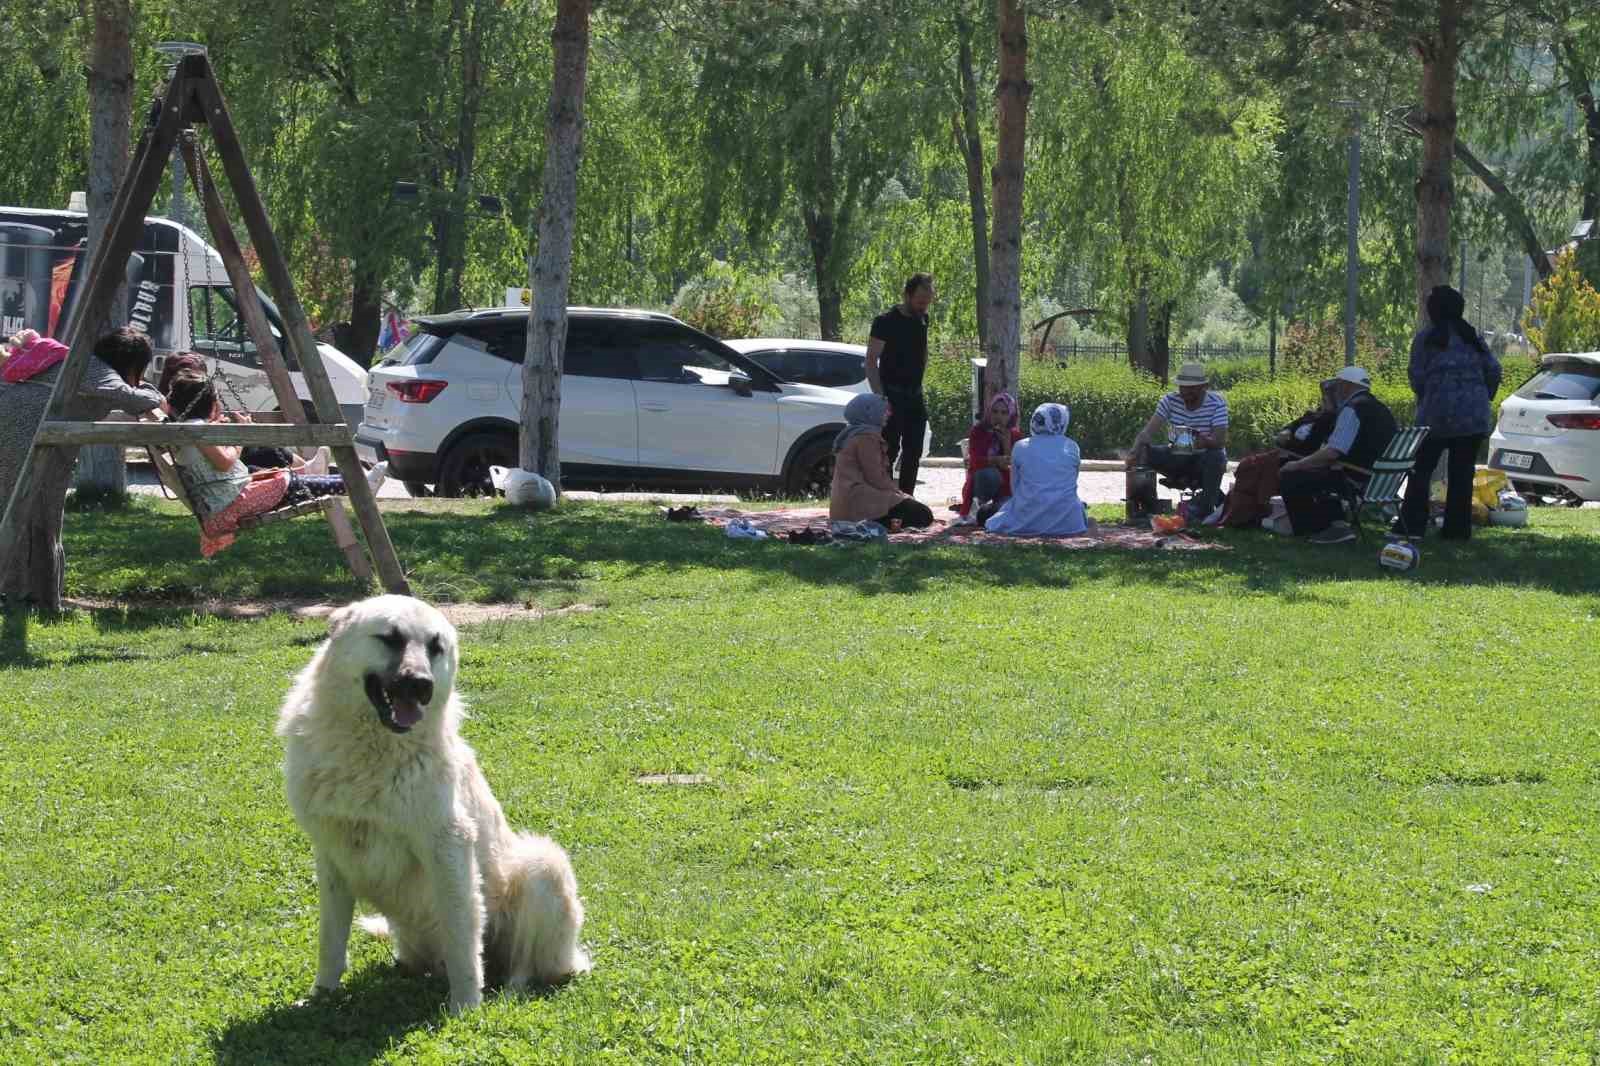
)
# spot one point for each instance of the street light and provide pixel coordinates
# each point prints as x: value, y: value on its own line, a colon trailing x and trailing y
x: 1352, y: 286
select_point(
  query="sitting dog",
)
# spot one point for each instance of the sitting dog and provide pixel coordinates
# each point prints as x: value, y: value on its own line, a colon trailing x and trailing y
x: 400, y: 816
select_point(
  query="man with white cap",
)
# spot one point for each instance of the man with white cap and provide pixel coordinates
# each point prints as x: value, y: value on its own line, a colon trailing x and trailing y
x: 1196, y: 419
x: 1311, y: 486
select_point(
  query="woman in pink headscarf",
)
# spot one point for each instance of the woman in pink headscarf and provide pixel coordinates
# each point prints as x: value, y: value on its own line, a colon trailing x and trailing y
x: 989, y: 460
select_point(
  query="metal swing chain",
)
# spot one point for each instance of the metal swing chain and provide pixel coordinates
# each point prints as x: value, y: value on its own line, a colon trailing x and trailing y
x: 199, y: 173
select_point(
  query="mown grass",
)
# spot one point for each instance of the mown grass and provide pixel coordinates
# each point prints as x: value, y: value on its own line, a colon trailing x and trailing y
x: 1007, y: 805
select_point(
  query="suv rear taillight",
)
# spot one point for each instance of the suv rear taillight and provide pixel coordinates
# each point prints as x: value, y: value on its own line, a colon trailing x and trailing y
x: 1576, y: 420
x: 417, y: 391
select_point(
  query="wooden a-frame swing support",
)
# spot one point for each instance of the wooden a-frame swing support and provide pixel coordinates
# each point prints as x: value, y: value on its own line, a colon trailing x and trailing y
x: 192, y: 97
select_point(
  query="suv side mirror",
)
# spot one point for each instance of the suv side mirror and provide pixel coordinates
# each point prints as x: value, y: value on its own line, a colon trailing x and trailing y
x: 741, y: 384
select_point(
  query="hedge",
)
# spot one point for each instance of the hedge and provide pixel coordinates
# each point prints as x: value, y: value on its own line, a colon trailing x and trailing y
x: 1110, y: 402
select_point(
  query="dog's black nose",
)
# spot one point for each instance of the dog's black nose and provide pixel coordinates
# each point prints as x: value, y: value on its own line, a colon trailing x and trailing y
x: 417, y: 687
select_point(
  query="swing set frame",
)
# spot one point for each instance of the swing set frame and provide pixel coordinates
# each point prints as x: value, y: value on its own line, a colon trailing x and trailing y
x: 193, y: 97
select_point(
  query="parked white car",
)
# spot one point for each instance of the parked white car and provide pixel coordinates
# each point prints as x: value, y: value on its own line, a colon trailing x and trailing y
x: 827, y: 363
x: 646, y: 401
x: 1548, y: 437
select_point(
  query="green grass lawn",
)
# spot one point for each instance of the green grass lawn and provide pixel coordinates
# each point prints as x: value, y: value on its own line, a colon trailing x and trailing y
x: 999, y: 805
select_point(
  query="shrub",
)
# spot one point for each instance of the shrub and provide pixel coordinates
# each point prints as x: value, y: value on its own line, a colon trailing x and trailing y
x: 1566, y: 308
x: 724, y: 303
x: 1315, y: 351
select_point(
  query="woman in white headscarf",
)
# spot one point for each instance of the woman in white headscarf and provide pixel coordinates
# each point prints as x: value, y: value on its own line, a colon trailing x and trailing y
x: 1044, y: 481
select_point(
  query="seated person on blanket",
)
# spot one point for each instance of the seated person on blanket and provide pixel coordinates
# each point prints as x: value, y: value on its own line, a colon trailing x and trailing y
x: 863, y: 491
x: 213, y: 473
x: 261, y: 458
x: 989, y: 446
x: 1310, y: 486
x: 1044, y: 481
x: 1255, y: 479
x: 1195, y: 419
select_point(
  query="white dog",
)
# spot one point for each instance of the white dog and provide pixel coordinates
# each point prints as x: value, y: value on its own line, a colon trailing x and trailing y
x: 399, y: 815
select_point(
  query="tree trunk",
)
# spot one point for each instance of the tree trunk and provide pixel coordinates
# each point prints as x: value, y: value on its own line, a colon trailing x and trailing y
x: 1435, y: 191
x: 1511, y: 209
x: 820, y: 210
x: 1005, y: 248
x: 1161, y: 341
x: 1579, y: 77
x: 550, y: 273
x: 33, y: 573
x: 366, y: 313
x: 450, y: 219
x: 970, y: 137
x: 101, y: 469
x: 1139, y: 330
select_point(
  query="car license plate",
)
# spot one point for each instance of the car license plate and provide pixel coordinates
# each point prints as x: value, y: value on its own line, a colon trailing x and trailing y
x: 1516, y: 460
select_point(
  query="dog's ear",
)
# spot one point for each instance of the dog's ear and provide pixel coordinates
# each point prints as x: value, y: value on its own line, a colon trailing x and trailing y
x: 340, y: 620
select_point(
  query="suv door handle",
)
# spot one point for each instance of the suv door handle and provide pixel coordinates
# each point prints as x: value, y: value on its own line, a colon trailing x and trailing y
x: 654, y: 405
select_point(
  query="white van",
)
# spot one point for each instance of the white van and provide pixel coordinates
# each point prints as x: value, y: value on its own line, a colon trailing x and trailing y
x: 178, y: 293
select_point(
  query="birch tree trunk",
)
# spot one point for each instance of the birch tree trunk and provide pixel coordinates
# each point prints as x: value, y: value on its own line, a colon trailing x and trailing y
x: 1440, y: 53
x: 970, y: 137
x: 101, y: 468
x: 550, y: 271
x: 1005, y: 247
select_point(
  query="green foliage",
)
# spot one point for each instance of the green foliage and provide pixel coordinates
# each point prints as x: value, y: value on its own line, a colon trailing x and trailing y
x: 1315, y: 350
x: 724, y: 302
x: 1565, y: 313
x: 1151, y: 162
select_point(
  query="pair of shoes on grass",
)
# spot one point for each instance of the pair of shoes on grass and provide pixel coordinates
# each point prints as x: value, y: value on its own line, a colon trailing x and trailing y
x: 1338, y: 533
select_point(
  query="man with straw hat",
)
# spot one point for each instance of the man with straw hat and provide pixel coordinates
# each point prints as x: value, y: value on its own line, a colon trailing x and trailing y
x: 1194, y: 422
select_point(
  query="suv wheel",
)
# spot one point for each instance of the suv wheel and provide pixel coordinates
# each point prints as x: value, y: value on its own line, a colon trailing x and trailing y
x: 811, y: 473
x: 465, y: 469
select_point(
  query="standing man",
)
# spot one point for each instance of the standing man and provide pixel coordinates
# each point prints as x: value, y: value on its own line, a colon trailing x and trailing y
x: 897, y: 355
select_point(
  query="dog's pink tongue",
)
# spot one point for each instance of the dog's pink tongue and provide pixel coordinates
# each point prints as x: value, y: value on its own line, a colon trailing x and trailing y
x: 406, y: 713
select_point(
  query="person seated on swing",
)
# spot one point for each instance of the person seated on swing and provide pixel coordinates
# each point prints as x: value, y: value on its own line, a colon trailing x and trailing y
x: 257, y: 458
x: 222, y: 490
x: 113, y: 380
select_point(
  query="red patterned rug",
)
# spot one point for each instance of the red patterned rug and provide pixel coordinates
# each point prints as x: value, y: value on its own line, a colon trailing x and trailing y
x: 781, y: 523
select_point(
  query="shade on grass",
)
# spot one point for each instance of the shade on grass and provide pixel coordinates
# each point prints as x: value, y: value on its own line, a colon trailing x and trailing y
x: 1265, y: 805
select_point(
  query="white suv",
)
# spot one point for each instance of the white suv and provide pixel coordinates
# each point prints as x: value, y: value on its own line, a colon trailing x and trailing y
x: 645, y: 401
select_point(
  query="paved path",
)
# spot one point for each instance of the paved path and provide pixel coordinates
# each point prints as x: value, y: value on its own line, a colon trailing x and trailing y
x: 937, y: 483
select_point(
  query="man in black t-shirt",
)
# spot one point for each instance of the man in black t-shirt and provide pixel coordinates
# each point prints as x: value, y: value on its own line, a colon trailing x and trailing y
x: 897, y: 354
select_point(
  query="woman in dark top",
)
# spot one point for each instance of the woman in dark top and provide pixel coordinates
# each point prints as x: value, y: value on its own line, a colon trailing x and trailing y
x: 1255, y: 480
x: 1455, y: 378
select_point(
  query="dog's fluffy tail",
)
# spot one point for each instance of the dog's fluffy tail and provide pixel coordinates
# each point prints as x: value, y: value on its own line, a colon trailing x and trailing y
x: 375, y: 925
x: 545, y: 914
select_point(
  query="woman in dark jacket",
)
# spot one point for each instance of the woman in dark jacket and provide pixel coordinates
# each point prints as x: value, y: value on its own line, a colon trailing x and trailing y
x: 1455, y: 378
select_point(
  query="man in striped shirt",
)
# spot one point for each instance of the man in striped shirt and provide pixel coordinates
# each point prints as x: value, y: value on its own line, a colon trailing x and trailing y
x: 1195, y: 420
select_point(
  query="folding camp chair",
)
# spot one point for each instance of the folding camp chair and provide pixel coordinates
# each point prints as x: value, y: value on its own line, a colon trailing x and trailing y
x: 1388, y: 474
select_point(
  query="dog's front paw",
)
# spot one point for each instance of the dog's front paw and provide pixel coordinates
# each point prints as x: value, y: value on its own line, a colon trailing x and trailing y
x: 460, y: 1002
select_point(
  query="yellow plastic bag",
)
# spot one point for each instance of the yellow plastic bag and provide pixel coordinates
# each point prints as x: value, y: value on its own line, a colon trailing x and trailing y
x: 1486, y: 486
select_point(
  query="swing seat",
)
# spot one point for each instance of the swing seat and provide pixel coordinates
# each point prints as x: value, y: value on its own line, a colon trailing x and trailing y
x: 168, y: 474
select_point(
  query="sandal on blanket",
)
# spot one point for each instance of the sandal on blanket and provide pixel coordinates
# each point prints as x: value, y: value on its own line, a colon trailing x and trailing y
x: 810, y: 536
x: 686, y: 513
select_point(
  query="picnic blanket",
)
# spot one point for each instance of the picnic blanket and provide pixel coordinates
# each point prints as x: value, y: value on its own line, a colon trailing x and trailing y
x: 782, y: 522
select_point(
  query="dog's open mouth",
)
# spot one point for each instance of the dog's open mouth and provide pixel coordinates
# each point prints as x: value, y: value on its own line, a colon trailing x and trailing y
x: 398, y: 709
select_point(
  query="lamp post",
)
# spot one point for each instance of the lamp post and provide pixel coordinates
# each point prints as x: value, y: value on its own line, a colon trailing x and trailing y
x: 1352, y: 266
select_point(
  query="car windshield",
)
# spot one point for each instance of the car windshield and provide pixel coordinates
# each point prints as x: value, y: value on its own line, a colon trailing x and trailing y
x: 1563, y: 379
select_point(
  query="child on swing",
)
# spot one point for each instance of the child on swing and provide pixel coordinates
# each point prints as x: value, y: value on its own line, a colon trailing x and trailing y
x: 220, y: 486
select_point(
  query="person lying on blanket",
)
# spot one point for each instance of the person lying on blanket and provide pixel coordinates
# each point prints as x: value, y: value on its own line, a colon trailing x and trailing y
x: 989, y: 447
x: 1044, y: 481
x: 863, y: 490
x: 215, y: 477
